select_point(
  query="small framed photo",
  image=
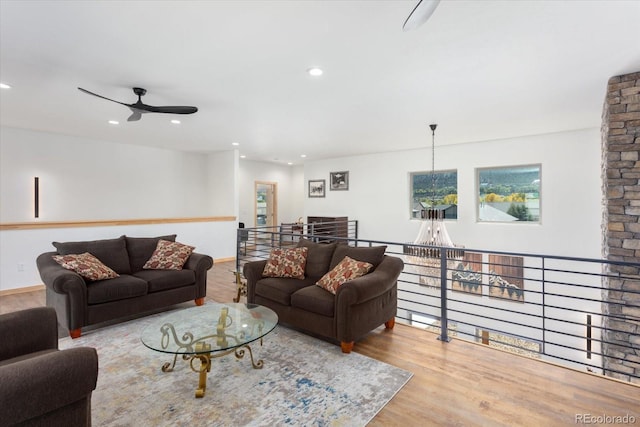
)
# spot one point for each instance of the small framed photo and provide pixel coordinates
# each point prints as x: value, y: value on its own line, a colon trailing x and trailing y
x: 317, y: 187
x: 339, y: 180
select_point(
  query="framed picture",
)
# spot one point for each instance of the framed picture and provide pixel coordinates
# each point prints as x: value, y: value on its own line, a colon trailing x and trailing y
x: 506, y: 277
x: 339, y: 180
x: 467, y: 277
x: 317, y: 187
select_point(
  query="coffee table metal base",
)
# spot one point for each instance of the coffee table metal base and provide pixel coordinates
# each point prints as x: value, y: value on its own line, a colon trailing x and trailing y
x: 204, y: 355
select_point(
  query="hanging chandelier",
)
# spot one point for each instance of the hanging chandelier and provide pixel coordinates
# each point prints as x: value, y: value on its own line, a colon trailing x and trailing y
x: 433, y: 237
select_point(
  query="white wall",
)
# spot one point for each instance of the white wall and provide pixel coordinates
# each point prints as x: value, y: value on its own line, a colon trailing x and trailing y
x: 90, y: 180
x: 290, y: 184
x: 93, y: 180
x: 223, y: 183
x: 378, y: 195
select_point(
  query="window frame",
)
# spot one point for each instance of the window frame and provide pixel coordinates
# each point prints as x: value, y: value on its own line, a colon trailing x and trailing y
x: 479, y: 195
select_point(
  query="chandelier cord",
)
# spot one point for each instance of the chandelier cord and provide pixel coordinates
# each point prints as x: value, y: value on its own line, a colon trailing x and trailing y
x: 433, y: 165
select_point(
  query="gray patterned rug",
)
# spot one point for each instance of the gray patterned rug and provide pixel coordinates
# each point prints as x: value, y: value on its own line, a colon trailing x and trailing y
x: 304, y: 382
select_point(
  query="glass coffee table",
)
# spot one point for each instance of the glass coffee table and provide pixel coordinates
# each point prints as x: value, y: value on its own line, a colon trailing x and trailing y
x: 213, y: 330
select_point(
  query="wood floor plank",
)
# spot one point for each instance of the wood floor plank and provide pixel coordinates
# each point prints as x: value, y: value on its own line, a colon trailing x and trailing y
x: 458, y: 383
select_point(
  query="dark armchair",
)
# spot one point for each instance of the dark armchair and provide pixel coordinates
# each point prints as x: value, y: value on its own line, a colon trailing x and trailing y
x: 39, y: 384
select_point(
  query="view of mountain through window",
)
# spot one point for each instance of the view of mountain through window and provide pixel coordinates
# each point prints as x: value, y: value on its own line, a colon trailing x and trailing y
x: 509, y: 194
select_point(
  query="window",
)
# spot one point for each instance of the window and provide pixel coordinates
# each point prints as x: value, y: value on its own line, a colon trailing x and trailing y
x: 438, y: 190
x: 509, y: 194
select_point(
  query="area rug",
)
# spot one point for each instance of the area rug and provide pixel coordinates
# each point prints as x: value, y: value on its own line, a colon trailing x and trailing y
x: 304, y: 382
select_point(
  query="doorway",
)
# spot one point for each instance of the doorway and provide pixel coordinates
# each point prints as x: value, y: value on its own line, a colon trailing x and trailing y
x: 266, y: 205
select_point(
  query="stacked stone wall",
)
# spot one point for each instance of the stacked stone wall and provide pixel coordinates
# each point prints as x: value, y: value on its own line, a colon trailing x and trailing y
x: 621, y: 227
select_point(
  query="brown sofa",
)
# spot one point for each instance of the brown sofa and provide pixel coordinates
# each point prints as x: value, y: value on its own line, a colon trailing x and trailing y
x: 39, y: 384
x: 358, y: 306
x: 79, y: 303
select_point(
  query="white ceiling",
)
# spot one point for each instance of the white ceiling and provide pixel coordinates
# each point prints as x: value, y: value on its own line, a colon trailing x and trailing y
x: 480, y: 69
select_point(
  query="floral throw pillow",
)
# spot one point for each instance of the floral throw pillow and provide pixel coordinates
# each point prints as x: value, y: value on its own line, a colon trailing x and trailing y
x: 86, y: 265
x: 347, y: 269
x: 286, y: 263
x: 169, y: 256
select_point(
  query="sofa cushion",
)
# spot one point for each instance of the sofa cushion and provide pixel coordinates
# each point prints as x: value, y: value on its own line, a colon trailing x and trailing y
x: 122, y: 287
x: 318, y: 258
x: 85, y: 265
x: 112, y: 252
x: 140, y: 249
x: 280, y: 289
x: 314, y: 299
x: 168, y: 256
x: 160, y: 280
x: 346, y: 270
x: 373, y: 255
x: 286, y: 263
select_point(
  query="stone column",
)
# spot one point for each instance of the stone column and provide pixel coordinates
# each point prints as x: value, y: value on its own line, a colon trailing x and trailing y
x: 621, y: 227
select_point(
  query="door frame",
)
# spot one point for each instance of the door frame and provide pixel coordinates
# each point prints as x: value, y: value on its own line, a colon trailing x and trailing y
x: 274, y: 207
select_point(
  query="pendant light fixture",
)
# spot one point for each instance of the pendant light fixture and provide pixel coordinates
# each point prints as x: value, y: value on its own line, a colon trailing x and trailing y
x: 433, y: 237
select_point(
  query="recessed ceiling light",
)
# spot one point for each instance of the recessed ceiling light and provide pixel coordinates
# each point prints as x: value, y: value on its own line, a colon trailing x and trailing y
x: 289, y: 163
x: 303, y: 155
x: 175, y: 122
x: 114, y: 122
x: 315, y: 71
x: 243, y: 156
x: 235, y: 143
x: 4, y: 86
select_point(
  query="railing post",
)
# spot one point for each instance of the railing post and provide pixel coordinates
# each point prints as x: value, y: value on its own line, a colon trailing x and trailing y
x: 444, y: 322
x: 238, y: 245
x: 544, y: 309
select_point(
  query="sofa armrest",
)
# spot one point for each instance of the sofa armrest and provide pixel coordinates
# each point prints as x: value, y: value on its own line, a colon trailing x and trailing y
x: 200, y: 264
x: 27, y: 331
x: 371, y: 285
x: 38, y: 385
x: 252, y: 272
x: 58, y: 278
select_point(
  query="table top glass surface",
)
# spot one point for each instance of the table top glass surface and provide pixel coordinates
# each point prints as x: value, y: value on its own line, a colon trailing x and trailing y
x: 220, y: 326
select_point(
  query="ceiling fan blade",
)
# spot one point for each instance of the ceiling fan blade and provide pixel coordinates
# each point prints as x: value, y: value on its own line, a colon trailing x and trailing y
x: 135, y: 115
x: 171, y: 109
x: 100, y: 96
x: 420, y: 14
x: 139, y: 108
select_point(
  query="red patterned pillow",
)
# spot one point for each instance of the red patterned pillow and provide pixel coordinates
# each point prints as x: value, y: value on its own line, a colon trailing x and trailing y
x: 347, y: 269
x: 169, y: 256
x: 86, y: 265
x: 286, y: 263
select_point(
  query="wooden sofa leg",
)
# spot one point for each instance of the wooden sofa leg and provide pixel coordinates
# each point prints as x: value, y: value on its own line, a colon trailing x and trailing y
x: 75, y: 333
x: 389, y: 324
x: 199, y: 301
x: 346, y: 346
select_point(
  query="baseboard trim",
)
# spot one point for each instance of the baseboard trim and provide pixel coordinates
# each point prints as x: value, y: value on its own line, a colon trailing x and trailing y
x: 15, y: 291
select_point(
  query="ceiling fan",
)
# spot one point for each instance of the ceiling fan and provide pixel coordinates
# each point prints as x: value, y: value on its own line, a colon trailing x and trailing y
x: 139, y: 108
x: 420, y: 14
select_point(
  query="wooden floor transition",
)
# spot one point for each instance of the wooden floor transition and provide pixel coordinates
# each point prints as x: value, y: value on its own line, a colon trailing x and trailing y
x: 461, y: 383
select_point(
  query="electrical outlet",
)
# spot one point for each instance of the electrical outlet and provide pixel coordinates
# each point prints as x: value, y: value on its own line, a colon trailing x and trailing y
x: 20, y: 267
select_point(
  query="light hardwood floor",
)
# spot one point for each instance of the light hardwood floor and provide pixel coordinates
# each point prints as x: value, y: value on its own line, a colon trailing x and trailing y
x: 459, y: 383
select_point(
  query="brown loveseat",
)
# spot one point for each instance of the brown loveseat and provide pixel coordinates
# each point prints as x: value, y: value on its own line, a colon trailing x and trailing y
x: 359, y: 305
x: 39, y: 384
x: 80, y: 303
